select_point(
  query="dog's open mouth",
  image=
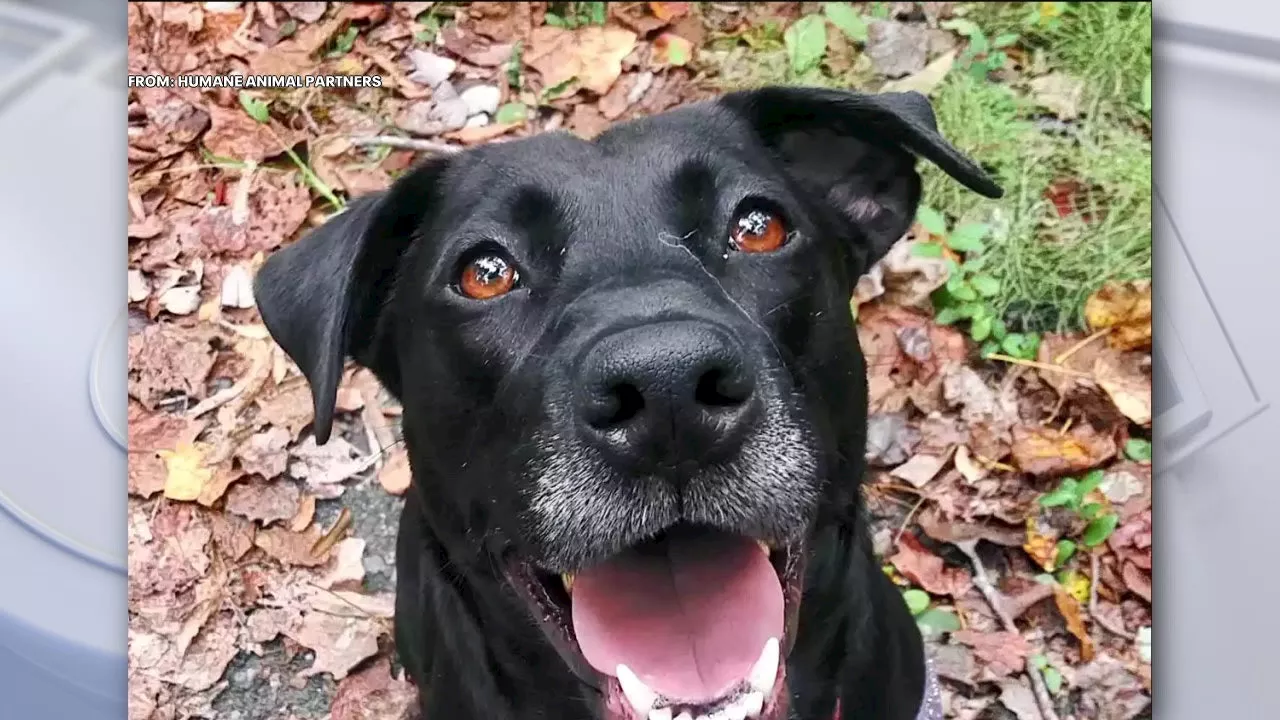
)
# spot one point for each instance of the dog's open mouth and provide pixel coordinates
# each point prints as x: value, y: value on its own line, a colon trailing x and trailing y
x: 694, y: 624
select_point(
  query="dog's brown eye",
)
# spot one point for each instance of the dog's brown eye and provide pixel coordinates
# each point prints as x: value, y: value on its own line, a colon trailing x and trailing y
x: 758, y: 231
x: 487, y: 277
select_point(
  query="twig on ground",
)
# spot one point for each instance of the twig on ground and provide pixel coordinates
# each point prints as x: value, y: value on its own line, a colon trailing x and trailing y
x: 403, y: 143
x: 907, y: 520
x: 331, y: 538
x: 1102, y: 621
x: 1079, y: 346
x: 1038, y: 365
x: 994, y: 598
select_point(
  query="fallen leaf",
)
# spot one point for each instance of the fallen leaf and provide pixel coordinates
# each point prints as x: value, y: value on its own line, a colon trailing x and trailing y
x: 307, y: 12
x: 373, y: 694
x: 1059, y: 93
x: 587, y: 122
x: 927, y: 570
x: 668, y: 11
x: 475, y: 49
x: 920, y: 469
x: 396, y: 475
x: 670, y: 49
x: 1016, y: 695
x: 1069, y: 607
x: 288, y: 406
x: 591, y: 55
x: 291, y: 548
x: 339, y: 642
x: 1137, y: 580
x: 186, y: 474
x: 266, y: 502
x: 970, y: 469
x: 295, y: 56
x: 325, y: 467
x: 348, y: 569
x: 164, y: 359
x: 1045, y: 451
x: 1042, y: 547
x: 897, y: 49
x: 483, y: 133
x: 926, y: 80
x: 235, y: 135
x: 1108, y: 691
x: 232, y: 534
x: 890, y: 439
x: 1004, y: 652
x: 956, y: 531
x: 1126, y: 378
x: 306, y: 513
x: 264, y: 453
x: 1124, y: 309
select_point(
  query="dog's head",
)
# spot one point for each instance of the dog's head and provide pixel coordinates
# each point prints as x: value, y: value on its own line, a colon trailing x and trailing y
x: 628, y: 366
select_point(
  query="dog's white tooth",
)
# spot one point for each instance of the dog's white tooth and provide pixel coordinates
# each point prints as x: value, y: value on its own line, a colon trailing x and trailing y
x: 660, y: 714
x: 684, y: 716
x: 638, y: 694
x: 752, y: 703
x: 567, y: 579
x: 765, y: 671
x: 735, y: 711
x: 764, y: 546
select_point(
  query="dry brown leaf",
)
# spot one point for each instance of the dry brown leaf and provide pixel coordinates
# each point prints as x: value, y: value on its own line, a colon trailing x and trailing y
x: 927, y: 79
x: 1059, y: 93
x: 373, y: 694
x: 1070, y: 609
x: 1126, y: 377
x: 927, y: 570
x: 288, y: 406
x: 166, y: 553
x: 1016, y: 695
x: 306, y: 513
x: 1109, y: 691
x: 590, y: 55
x: 291, y: 548
x: 339, y: 642
x: 668, y: 11
x: 307, y: 12
x: 324, y: 467
x: 955, y: 531
x: 1041, y: 546
x: 1124, y: 309
x: 235, y: 135
x: 265, y: 501
x: 968, y: 467
x: 232, y: 534
x: 186, y: 475
x: 396, y: 476
x: 295, y: 56
x: 264, y: 453
x: 475, y: 49
x: 1004, y: 652
x: 1046, y: 451
x: 347, y: 572
x: 587, y: 122
x: 482, y: 133
x: 164, y: 359
x: 920, y: 469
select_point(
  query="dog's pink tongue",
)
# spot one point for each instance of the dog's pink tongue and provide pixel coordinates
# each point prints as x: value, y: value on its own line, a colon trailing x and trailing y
x: 689, y: 616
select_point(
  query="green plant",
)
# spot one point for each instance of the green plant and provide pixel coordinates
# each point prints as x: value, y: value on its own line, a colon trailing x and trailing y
x: 1074, y: 494
x: 982, y: 55
x: 256, y: 108
x: 1052, y: 678
x: 430, y: 23
x: 847, y: 20
x: 515, y: 65
x: 806, y: 43
x: 932, y: 620
x: 969, y: 289
x: 576, y: 14
x: 1138, y: 450
x: 343, y: 42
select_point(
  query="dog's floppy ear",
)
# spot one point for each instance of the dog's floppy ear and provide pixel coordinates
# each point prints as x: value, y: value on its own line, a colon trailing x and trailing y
x: 325, y: 297
x: 858, y: 150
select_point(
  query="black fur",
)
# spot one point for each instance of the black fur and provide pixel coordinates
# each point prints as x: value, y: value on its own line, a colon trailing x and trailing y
x: 627, y: 231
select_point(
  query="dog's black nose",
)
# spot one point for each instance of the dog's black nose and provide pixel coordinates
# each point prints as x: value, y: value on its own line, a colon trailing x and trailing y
x: 665, y: 393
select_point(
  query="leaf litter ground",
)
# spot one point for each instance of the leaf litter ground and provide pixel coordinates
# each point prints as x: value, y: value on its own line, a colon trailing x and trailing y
x: 1011, y: 498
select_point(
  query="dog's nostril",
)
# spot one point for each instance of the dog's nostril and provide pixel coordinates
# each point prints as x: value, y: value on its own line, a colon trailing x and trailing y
x: 718, y: 388
x: 625, y: 402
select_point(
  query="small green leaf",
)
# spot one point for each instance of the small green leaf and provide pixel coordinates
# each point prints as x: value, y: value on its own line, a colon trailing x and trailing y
x: 1138, y: 450
x: 880, y: 10
x: 1065, y: 549
x: 1090, y: 482
x: 917, y: 600
x: 597, y: 13
x: 962, y: 291
x: 846, y: 19
x: 288, y: 28
x: 806, y: 42
x: 1089, y: 511
x: 946, y: 316
x: 981, y: 329
x: 971, y: 310
x: 1005, y: 40
x: 978, y: 44
x: 1045, y: 579
x: 1064, y: 495
x: 1100, y: 529
x: 938, y: 619
x: 931, y: 220
x: 555, y: 91
x: 989, y: 348
x: 1052, y: 680
x: 1040, y: 661
x: 554, y: 20
x: 343, y: 43
x: 998, y: 331
x: 968, y: 237
x: 986, y: 285
x: 927, y: 249
x: 257, y: 109
x: 965, y: 27
x: 512, y: 112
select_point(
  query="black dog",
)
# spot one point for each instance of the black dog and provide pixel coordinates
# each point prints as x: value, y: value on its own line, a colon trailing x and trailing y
x: 635, y: 408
